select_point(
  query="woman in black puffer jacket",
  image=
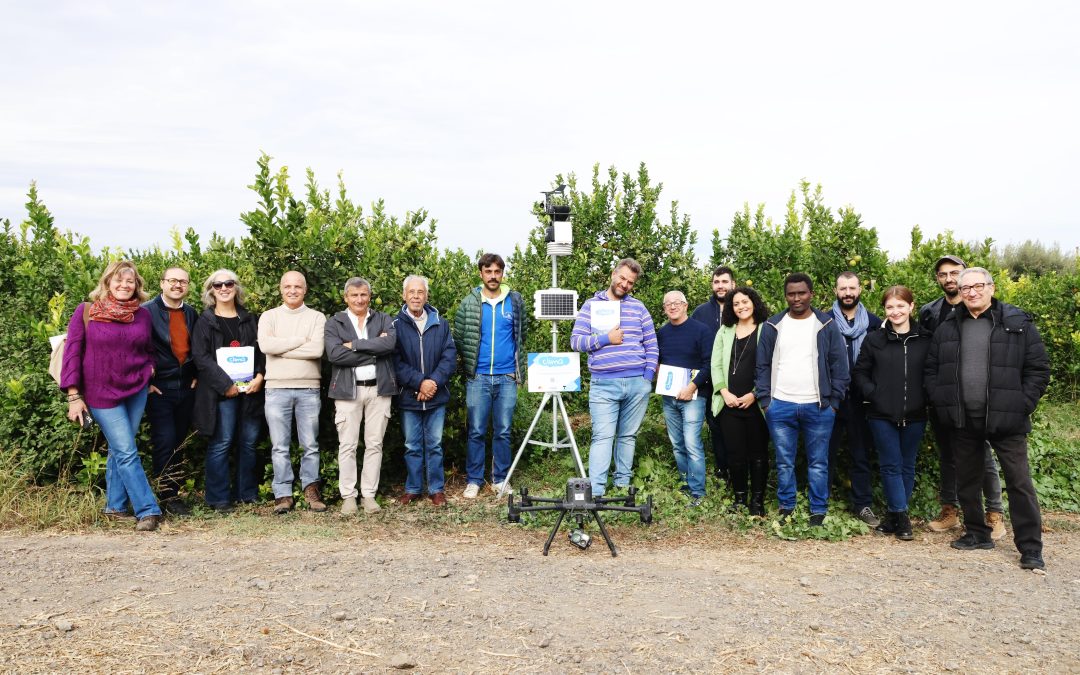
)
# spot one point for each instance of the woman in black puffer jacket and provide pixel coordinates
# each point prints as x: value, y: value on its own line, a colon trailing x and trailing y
x: 889, y: 376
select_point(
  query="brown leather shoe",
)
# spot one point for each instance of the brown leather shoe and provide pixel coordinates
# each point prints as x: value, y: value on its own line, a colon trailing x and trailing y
x: 438, y: 499
x: 283, y: 505
x: 147, y: 524
x: 314, y: 499
x: 407, y: 498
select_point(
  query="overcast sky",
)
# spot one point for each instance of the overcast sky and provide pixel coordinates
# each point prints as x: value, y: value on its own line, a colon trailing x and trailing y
x: 134, y: 117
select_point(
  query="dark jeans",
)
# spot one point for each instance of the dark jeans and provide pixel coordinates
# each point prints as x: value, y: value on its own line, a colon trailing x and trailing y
x: 239, y: 430
x: 851, y: 419
x: 991, y: 485
x: 969, y: 449
x: 169, y: 414
x: 719, y: 446
x: 897, y: 447
x: 747, y: 441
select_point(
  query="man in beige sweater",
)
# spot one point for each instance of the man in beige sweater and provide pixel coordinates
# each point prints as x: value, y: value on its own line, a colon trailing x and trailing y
x: 291, y: 336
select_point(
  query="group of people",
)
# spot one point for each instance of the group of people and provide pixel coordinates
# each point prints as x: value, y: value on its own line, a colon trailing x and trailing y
x: 978, y: 363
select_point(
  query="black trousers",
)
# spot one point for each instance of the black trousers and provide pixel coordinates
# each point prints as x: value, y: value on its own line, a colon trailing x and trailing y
x: 1012, y: 453
x: 716, y: 436
x: 746, y: 438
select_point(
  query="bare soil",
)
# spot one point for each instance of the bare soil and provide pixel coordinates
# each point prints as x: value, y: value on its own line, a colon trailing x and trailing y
x: 379, y: 594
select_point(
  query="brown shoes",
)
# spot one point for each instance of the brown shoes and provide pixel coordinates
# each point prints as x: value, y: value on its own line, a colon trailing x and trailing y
x: 147, y: 523
x: 996, y: 522
x: 948, y: 519
x: 438, y: 499
x: 314, y: 499
x: 283, y: 505
x: 407, y: 498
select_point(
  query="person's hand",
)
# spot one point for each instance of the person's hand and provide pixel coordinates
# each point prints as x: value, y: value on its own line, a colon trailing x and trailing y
x: 76, y: 410
x: 232, y: 392
x: 194, y: 382
x: 155, y: 390
x: 687, y: 393
x: 730, y: 400
x: 746, y: 400
x: 615, y: 335
x: 347, y: 345
x: 255, y: 385
x: 428, y: 388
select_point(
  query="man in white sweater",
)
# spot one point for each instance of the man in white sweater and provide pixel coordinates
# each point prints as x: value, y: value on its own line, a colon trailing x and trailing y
x: 291, y: 336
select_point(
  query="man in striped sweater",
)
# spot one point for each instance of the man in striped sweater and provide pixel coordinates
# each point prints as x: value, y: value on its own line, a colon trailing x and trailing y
x: 622, y: 365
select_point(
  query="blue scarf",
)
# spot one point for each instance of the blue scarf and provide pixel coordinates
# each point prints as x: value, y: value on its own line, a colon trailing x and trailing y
x: 856, y: 332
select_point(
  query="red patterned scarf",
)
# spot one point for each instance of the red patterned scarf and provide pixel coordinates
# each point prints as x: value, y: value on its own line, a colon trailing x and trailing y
x: 116, y: 311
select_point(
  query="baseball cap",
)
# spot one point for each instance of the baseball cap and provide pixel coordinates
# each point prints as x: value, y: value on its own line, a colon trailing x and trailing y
x: 950, y: 259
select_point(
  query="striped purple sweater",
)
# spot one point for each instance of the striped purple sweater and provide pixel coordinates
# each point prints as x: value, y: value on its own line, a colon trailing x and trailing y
x: 638, y: 354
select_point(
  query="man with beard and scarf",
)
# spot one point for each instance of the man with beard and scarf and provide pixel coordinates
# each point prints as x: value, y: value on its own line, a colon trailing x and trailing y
x: 710, y: 313
x: 854, y: 322
x: 947, y: 273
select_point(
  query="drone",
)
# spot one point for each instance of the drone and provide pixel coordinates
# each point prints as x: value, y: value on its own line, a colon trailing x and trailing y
x: 579, y: 504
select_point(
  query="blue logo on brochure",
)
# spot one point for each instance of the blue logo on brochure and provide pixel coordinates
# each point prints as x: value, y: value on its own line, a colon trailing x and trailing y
x: 237, y: 359
x: 553, y: 361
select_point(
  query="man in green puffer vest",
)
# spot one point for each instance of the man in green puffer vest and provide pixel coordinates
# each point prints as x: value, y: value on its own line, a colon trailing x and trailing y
x: 489, y: 333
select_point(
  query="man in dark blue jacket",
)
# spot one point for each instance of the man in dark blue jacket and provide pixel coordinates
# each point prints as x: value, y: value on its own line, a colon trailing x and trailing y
x: 424, y: 360
x: 172, y: 390
x: 709, y: 313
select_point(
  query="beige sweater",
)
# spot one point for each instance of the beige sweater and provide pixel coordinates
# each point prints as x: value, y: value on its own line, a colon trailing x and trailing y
x: 292, y: 340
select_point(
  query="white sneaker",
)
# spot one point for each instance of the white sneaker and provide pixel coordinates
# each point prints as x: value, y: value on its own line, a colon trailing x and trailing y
x: 472, y: 490
x: 504, y: 487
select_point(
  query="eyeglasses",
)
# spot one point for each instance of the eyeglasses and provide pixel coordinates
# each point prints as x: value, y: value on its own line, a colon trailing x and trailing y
x: 672, y: 305
x: 218, y: 285
x: 955, y: 274
x: 177, y: 282
x: 978, y: 288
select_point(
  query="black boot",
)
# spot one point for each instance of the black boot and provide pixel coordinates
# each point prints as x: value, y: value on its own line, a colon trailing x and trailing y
x: 903, y: 526
x: 740, y: 500
x: 888, y: 524
x: 757, y: 504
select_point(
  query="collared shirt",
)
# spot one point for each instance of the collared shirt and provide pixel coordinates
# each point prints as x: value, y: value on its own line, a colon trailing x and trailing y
x: 362, y: 373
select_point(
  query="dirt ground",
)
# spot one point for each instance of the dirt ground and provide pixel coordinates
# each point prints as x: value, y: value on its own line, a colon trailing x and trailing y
x: 380, y: 595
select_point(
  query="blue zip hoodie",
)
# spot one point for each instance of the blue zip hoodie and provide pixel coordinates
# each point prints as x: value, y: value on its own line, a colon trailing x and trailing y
x: 417, y: 357
x: 831, y: 364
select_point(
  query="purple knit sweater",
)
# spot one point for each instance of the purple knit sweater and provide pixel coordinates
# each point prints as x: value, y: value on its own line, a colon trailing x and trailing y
x: 106, y: 361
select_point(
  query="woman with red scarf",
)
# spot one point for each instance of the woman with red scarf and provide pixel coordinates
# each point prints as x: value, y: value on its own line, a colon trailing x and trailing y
x: 108, y: 363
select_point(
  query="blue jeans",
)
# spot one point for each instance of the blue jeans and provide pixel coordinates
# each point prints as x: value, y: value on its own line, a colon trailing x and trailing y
x: 169, y: 414
x: 617, y: 407
x: 125, y: 479
x: 232, y: 426
x: 489, y: 397
x: 897, y: 447
x: 683, y: 419
x: 281, y: 406
x: 423, y: 448
x: 785, y: 421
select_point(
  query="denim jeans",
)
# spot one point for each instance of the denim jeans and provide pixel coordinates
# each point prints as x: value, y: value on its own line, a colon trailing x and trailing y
x: 232, y: 426
x: 489, y: 397
x: 423, y: 449
x: 785, y: 421
x: 617, y: 407
x: 897, y: 447
x: 169, y: 414
x: 125, y: 479
x: 282, y: 405
x: 683, y: 419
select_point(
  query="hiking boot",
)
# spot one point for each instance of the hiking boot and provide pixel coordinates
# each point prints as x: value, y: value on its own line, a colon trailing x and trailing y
x: 176, y: 507
x: 283, y: 505
x: 817, y: 520
x: 903, y: 526
x: 1032, y: 560
x: 948, y: 519
x: 740, y: 500
x: 996, y: 522
x: 438, y: 499
x: 150, y: 523
x: 472, y: 490
x: 866, y: 514
x: 407, y: 498
x: 785, y: 515
x: 314, y: 499
x: 969, y: 542
x: 370, y: 505
x: 348, y: 506
x: 757, y: 504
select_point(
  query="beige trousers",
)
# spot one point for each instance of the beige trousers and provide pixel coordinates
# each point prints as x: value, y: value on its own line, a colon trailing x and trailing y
x: 348, y: 415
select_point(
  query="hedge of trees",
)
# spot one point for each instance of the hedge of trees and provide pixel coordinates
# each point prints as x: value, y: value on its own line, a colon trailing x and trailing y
x: 329, y: 236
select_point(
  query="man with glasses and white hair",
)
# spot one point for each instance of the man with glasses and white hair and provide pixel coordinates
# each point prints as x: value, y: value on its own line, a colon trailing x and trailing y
x: 985, y: 373
x: 359, y: 345
x: 172, y: 389
x: 947, y: 273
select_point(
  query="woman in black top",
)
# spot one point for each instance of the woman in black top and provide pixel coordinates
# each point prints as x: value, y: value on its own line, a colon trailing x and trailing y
x: 889, y: 376
x: 734, y: 405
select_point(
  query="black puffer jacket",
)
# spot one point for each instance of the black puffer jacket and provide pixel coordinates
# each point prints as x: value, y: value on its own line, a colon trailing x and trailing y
x: 1017, y: 365
x: 889, y: 373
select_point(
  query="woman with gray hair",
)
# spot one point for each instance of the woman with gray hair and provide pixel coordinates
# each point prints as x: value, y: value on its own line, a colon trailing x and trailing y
x: 228, y: 410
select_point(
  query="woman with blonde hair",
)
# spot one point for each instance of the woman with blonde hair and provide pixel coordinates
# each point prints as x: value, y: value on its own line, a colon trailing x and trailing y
x: 108, y: 363
x: 229, y: 412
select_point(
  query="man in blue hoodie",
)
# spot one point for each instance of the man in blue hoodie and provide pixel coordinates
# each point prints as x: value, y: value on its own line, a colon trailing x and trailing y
x: 802, y: 375
x: 424, y: 360
x: 489, y: 335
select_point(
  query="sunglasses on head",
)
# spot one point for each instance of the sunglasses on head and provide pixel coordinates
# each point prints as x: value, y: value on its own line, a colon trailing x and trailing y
x: 218, y: 285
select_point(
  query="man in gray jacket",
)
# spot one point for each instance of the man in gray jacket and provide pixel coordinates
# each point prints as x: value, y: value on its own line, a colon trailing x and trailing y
x: 359, y: 345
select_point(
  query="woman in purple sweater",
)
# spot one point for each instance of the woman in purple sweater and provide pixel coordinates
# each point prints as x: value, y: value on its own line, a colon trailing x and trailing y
x: 108, y: 362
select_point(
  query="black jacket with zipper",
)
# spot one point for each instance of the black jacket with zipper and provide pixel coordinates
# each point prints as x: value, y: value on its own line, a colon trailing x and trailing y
x: 889, y: 373
x: 1018, y: 370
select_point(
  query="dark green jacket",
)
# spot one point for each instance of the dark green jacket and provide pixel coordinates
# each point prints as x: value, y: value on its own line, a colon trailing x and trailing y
x: 467, y: 331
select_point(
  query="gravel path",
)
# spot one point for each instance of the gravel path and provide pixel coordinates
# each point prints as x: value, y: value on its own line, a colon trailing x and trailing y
x: 481, y: 598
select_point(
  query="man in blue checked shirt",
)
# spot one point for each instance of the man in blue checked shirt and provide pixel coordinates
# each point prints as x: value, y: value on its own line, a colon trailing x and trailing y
x: 622, y: 365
